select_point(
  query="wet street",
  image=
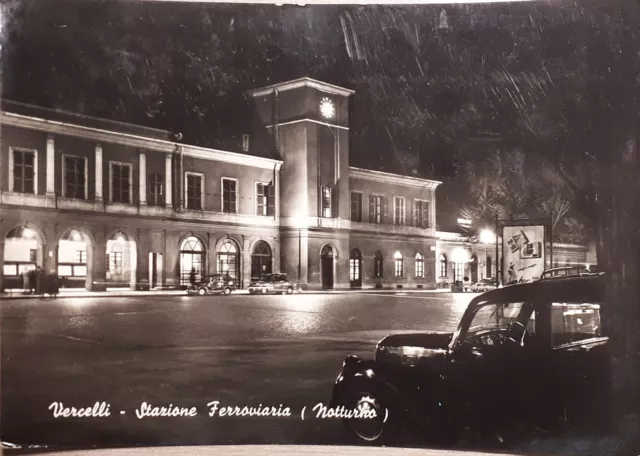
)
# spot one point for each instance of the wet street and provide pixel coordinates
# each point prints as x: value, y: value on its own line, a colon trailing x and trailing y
x: 190, y: 351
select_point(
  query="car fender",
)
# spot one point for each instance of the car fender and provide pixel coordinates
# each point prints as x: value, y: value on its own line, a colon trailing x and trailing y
x: 357, y: 373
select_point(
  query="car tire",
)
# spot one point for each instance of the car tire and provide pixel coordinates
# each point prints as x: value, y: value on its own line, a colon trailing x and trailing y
x: 202, y: 291
x: 389, y: 428
x: 227, y: 291
x: 290, y: 290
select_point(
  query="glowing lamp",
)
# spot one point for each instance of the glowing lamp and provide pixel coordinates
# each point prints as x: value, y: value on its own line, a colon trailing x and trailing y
x: 460, y: 255
x: 487, y: 237
x: 327, y: 109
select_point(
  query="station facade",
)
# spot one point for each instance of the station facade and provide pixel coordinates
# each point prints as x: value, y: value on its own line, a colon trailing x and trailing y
x: 106, y: 204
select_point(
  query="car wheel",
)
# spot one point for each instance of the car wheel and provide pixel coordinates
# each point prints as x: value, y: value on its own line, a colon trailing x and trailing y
x: 290, y: 290
x: 376, y: 431
x: 202, y: 291
x: 227, y: 291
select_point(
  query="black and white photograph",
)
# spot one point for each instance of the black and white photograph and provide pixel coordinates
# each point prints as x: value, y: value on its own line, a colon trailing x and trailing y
x: 320, y: 228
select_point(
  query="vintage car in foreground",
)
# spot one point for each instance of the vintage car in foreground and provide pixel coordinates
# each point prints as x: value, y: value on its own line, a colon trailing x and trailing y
x: 532, y: 354
x: 213, y: 284
x: 277, y: 283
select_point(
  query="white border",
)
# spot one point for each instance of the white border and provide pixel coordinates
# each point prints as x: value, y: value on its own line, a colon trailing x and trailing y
x: 388, y: 178
x: 63, y: 191
x: 130, y: 165
x: 222, y: 179
x: 35, y: 169
x: 202, y: 193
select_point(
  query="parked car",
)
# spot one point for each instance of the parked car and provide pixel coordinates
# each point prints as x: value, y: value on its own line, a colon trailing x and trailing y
x: 457, y: 287
x: 277, y: 283
x: 532, y: 353
x: 213, y: 284
x: 483, y: 285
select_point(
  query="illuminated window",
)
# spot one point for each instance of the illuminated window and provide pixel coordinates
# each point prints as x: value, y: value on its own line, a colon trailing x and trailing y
x: 458, y: 271
x: 419, y: 266
x: 443, y: 265
x: 355, y: 261
x: 399, y: 265
x: 115, y: 262
x: 326, y: 202
x: 265, y: 199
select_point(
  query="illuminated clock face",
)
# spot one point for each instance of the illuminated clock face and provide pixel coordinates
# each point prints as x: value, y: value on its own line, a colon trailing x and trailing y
x: 327, y: 109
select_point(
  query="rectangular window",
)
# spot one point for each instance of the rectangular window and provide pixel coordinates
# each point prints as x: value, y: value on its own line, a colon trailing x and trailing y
x: 194, y: 191
x: 375, y: 209
x: 458, y: 271
x: 81, y: 256
x: 156, y: 189
x: 115, y: 262
x: 75, y: 177
x: 419, y: 267
x: 229, y: 195
x: 121, y: 182
x: 245, y: 143
x: 398, y: 204
x: 356, y: 206
x: 33, y: 254
x: 262, y: 199
x: 574, y: 322
x: 24, y: 170
x: 326, y: 202
x: 421, y: 214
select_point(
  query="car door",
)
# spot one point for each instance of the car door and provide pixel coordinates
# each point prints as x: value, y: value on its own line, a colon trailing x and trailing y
x: 492, y: 379
x: 581, y: 359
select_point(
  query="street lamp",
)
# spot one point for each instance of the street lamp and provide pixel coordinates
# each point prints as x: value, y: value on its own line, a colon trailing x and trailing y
x: 487, y: 237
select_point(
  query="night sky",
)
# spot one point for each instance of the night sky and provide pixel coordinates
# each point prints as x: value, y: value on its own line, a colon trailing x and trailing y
x: 436, y: 86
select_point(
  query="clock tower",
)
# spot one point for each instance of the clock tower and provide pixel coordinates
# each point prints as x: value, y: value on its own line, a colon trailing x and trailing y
x: 308, y: 122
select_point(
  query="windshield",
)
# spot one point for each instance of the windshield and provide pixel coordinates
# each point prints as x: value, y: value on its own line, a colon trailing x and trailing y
x: 497, y: 316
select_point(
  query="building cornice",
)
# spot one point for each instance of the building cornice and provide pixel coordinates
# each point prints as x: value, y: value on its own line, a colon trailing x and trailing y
x: 136, y: 141
x: 302, y: 82
x: 389, y: 178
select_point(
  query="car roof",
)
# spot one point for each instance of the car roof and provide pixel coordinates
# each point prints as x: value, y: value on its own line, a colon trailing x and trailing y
x: 563, y: 289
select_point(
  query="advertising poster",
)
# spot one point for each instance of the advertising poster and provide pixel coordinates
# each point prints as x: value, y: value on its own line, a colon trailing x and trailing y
x: 523, y: 253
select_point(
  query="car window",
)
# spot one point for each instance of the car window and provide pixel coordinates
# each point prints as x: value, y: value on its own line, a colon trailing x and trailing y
x: 500, y: 315
x: 573, y: 322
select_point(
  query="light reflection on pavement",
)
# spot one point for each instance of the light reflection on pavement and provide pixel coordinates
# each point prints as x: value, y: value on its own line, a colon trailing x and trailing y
x: 190, y: 350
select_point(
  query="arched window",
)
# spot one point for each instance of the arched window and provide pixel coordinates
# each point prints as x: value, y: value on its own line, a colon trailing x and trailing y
x: 377, y: 264
x: 419, y: 265
x: 399, y: 264
x: 228, y: 259
x: 355, y: 259
x: 443, y: 265
x: 261, y: 259
x: 191, y: 259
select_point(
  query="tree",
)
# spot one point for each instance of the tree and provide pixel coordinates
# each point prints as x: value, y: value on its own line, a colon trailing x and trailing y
x: 509, y: 184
